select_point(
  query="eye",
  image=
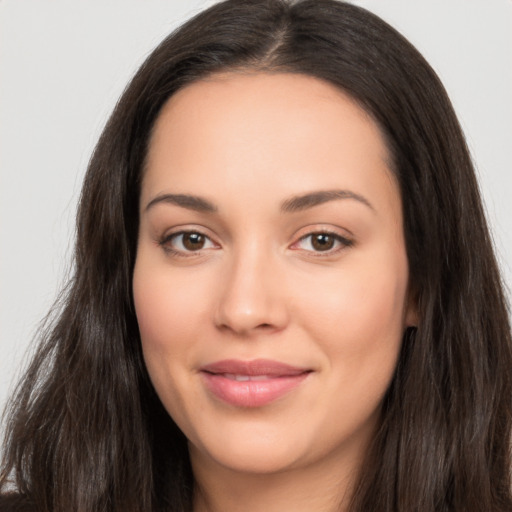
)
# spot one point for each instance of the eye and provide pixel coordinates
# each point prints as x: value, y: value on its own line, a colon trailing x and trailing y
x: 322, y: 241
x: 187, y: 242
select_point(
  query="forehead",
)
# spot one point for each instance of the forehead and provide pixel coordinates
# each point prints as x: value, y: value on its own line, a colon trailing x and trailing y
x: 290, y: 132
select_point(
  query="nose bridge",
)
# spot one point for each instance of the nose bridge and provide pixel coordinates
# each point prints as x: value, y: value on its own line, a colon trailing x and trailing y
x: 250, y: 295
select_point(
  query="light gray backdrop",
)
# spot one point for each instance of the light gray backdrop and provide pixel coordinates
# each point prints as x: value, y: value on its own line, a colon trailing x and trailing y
x: 63, y: 65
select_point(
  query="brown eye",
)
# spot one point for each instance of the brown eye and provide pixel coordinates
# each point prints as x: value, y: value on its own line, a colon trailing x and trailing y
x: 186, y: 242
x: 322, y: 241
x: 193, y: 241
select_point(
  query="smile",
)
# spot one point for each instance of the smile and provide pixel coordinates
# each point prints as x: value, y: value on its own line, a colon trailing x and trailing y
x: 251, y: 383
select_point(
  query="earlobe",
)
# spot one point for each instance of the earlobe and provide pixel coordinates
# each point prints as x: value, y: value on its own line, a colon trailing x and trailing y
x: 412, y: 310
x: 411, y: 318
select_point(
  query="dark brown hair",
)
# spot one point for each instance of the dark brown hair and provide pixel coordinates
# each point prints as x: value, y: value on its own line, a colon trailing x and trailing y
x: 86, y: 431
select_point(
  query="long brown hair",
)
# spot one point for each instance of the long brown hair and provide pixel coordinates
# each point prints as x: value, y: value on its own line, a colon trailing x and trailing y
x: 87, y: 432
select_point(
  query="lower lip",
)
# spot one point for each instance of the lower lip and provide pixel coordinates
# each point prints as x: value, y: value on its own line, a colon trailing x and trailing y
x: 251, y: 393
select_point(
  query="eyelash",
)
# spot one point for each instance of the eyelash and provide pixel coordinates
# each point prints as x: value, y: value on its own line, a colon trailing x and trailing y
x: 341, y: 240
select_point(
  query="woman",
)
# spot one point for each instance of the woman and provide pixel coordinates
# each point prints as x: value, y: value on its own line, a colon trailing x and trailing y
x: 277, y: 301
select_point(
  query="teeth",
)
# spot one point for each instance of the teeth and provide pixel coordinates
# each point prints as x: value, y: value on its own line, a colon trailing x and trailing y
x: 244, y: 378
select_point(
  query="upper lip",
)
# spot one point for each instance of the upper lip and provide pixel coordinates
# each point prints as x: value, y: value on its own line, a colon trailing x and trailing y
x: 255, y: 367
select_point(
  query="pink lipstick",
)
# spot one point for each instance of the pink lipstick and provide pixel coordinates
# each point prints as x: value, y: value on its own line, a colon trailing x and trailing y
x: 251, y: 383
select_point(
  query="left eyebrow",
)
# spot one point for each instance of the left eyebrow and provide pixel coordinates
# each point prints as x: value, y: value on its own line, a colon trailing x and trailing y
x: 303, y: 202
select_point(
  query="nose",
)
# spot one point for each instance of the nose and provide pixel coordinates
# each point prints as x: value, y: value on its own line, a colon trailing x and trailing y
x: 252, y: 297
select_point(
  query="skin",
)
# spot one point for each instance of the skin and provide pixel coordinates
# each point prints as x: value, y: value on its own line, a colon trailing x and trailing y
x: 258, y: 288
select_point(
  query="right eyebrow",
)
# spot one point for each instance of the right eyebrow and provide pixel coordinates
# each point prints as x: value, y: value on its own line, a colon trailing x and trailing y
x: 194, y: 203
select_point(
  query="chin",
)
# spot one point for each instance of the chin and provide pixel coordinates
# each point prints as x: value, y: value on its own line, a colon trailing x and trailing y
x: 255, y: 453
x: 256, y: 462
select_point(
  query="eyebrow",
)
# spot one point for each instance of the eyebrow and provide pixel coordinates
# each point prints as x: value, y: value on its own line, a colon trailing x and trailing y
x: 303, y: 202
x: 196, y: 203
x: 291, y: 205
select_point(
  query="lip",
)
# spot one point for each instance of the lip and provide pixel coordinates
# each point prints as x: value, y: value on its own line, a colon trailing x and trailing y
x: 251, y: 383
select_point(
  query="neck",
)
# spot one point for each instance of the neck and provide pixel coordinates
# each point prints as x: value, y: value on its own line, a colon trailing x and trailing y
x: 325, y: 487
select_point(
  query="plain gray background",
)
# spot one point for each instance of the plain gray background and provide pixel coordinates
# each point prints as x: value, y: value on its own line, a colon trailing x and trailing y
x: 64, y: 64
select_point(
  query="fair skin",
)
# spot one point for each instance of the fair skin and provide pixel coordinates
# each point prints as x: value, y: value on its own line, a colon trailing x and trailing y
x: 318, y: 284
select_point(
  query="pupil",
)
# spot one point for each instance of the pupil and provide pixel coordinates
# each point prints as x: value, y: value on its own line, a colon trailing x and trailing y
x: 193, y: 241
x: 323, y: 242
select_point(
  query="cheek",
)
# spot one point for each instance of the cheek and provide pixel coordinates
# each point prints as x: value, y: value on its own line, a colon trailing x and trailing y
x: 167, y: 308
x: 373, y: 306
x: 357, y: 317
x: 358, y: 323
x: 169, y: 312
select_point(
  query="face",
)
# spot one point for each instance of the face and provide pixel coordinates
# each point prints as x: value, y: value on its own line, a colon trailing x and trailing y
x: 271, y: 276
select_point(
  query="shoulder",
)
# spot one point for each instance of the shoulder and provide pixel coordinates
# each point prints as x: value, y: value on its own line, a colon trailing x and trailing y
x: 15, y: 503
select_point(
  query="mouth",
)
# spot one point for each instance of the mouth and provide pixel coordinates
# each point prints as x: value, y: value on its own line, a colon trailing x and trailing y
x: 251, y: 384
